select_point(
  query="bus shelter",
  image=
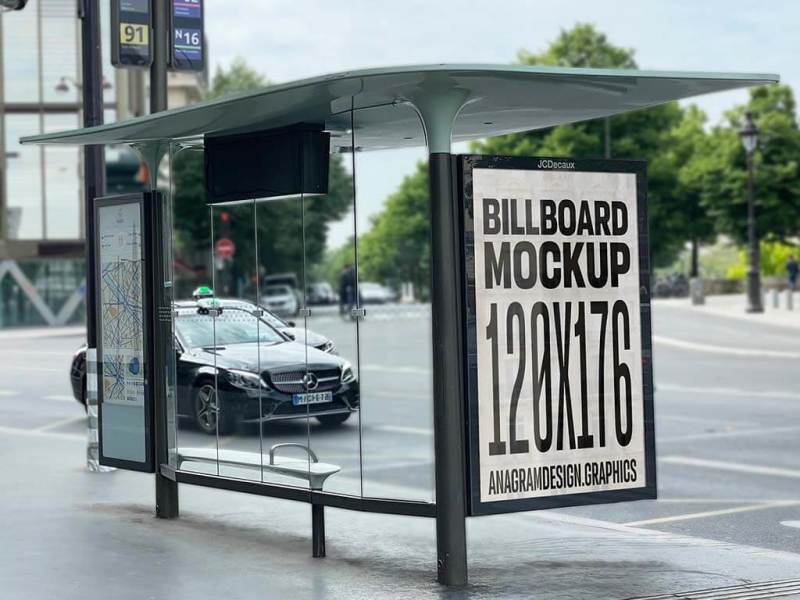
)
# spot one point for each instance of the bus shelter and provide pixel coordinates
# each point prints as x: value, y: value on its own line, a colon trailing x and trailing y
x: 257, y: 333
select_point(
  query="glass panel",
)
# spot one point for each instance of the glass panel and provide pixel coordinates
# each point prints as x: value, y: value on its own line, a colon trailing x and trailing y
x: 20, y: 49
x: 393, y: 235
x: 241, y: 336
x: 60, y: 49
x: 62, y: 181
x: 195, y: 381
x: 23, y: 178
x: 332, y: 331
x: 280, y: 286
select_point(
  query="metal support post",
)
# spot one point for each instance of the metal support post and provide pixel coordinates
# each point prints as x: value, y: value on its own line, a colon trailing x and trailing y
x: 448, y: 384
x: 94, y: 184
x: 167, y: 506
x: 318, y: 530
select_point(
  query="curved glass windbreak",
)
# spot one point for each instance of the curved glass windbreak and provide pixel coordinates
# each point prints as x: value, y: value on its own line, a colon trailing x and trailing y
x: 393, y: 251
x: 303, y: 327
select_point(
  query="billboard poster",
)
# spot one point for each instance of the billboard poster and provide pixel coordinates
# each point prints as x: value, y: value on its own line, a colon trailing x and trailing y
x: 558, y: 336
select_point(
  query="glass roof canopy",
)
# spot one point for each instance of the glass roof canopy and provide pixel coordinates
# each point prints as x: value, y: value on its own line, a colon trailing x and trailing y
x: 456, y: 103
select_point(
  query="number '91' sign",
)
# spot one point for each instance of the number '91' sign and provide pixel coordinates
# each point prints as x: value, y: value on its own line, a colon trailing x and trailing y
x: 131, y: 44
x: 558, y: 332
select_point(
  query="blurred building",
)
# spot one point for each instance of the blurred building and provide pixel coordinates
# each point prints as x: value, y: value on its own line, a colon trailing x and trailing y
x: 41, y: 198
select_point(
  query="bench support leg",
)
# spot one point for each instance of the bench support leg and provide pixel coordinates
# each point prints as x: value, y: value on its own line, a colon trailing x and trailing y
x: 318, y: 530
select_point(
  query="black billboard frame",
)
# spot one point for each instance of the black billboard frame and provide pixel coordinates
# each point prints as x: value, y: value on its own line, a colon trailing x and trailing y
x: 463, y: 167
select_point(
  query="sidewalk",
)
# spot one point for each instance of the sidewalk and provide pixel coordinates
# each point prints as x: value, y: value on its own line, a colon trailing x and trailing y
x: 733, y: 306
x: 70, y: 534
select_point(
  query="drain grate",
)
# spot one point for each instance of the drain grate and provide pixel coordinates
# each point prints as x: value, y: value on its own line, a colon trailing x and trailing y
x: 746, y: 591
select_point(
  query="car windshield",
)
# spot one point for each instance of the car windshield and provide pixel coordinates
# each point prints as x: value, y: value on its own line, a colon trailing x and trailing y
x: 276, y: 291
x: 230, y: 327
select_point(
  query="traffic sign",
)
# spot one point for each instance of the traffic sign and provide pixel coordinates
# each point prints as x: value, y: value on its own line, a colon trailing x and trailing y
x: 225, y: 248
x: 560, y: 379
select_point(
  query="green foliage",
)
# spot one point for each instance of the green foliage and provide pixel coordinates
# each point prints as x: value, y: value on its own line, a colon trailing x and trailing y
x: 772, y: 260
x: 397, y: 246
x: 722, y: 168
x: 236, y: 79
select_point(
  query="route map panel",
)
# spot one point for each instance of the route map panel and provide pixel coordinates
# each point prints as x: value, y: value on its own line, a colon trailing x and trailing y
x: 121, y: 304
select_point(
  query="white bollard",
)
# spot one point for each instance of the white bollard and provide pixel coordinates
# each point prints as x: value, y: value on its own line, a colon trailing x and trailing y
x: 775, y: 298
x: 696, y: 291
x: 789, y: 300
x: 93, y: 441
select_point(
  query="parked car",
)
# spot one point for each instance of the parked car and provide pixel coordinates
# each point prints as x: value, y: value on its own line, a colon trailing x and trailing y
x: 280, y: 299
x: 375, y: 293
x: 320, y: 293
x: 236, y: 368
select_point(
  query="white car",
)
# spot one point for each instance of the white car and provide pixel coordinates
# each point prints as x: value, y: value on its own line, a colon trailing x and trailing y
x: 281, y: 300
x: 374, y: 293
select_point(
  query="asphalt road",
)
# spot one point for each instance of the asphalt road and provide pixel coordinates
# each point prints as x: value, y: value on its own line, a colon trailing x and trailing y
x: 727, y: 410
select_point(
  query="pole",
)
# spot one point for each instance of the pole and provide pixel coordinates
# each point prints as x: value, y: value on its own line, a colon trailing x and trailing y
x: 754, y: 302
x: 94, y: 184
x: 607, y: 137
x: 448, y: 384
x: 167, y: 506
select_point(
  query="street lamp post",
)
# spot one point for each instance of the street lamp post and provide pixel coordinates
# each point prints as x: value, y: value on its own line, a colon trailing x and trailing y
x: 749, y: 135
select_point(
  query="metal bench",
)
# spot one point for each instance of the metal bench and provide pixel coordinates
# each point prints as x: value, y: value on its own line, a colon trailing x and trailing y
x: 310, y: 469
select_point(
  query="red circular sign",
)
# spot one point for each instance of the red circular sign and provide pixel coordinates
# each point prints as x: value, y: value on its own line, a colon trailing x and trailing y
x: 225, y: 248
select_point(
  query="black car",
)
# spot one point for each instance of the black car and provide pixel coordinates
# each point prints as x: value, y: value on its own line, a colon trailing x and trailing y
x: 235, y: 367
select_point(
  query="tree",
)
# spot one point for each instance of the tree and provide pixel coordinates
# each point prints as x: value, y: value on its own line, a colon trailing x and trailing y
x: 291, y: 233
x: 397, y: 247
x: 722, y: 168
x: 688, y: 145
x: 644, y: 134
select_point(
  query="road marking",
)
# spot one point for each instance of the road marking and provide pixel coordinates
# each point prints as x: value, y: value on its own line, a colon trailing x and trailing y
x: 60, y: 398
x: 63, y: 353
x: 36, y: 433
x: 59, y: 423
x: 708, y: 348
x: 725, y: 434
x: 27, y: 368
x: 712, y: 513
x: 403, y: 429
x: 670, y: 387
x: 795, y: 524
x: 731, y: 466
x: 6, y: 393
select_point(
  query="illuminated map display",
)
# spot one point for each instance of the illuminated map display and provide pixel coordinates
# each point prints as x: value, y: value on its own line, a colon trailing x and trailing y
x: 121, y: 304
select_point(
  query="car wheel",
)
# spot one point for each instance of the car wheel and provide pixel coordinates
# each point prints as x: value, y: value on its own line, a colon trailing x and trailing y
x: 207, y: 413
x: 333, y: 420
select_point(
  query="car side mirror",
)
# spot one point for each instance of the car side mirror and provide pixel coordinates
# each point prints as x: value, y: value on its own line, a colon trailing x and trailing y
x: 290, y: 336
x: 291, y: 323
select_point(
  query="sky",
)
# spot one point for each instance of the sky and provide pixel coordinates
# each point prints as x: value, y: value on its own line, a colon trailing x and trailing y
x: 288, y: 40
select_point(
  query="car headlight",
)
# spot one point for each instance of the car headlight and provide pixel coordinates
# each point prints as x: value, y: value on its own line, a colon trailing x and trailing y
x: 245, y: 380
x: 347, y: 373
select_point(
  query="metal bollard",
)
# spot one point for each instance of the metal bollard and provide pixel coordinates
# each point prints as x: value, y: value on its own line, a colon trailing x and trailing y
x: 696, y: 291
x: 789, y: 300
x: 775, y: 298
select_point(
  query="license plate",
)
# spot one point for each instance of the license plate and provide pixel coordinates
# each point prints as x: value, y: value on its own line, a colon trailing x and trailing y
x: 312, y: 398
